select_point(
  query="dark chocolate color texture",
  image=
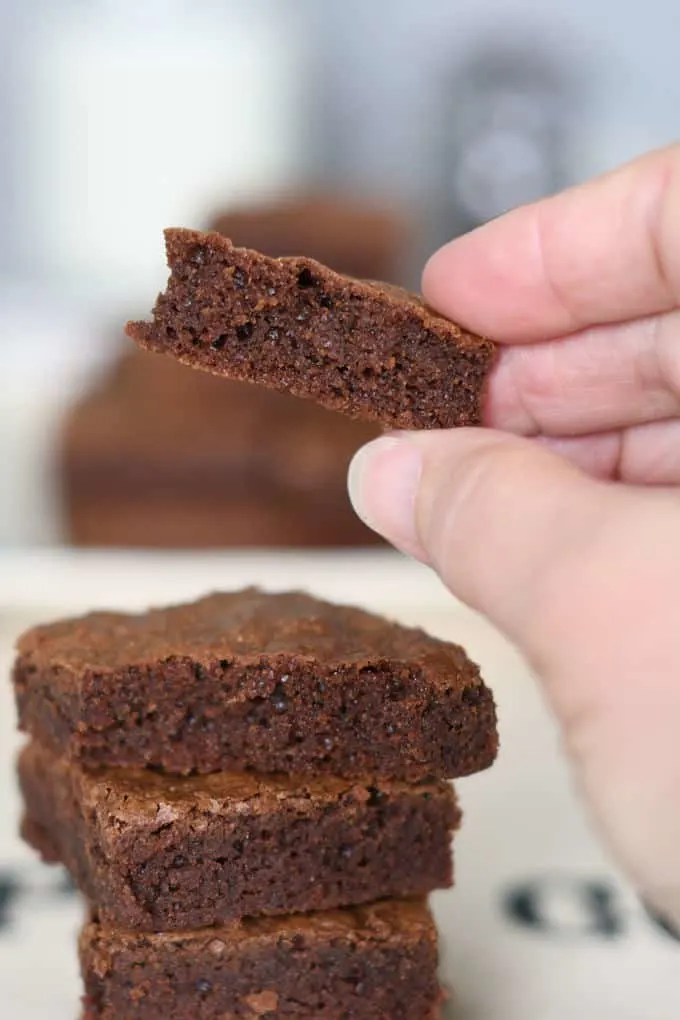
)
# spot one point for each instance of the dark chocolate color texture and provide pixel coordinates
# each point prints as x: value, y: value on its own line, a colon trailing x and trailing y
x: 369, y: 350
x: 377, y: 963
x: 253, y: 681
x: 160, y: 853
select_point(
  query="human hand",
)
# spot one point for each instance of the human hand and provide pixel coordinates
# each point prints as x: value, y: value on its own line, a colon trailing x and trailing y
x: 570, y: 545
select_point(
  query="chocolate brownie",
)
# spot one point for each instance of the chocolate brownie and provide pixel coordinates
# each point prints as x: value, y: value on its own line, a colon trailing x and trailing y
x: 160, y: 456
x: 377, y: 962
x: 172, y: 514
x: 350, y: 236
x: 369, y: 350
x: 249, y: 680
x: 161, y: 853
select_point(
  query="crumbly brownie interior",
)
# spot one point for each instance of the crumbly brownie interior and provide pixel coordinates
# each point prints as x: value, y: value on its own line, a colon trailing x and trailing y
x: 378, y: 963
x: 246, y: 680
x: 279, y: 717
x: 369, y: 350
x: 161, y: 853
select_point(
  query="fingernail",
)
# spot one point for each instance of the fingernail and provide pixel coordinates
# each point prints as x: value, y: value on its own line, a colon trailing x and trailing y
x: 383, y: 482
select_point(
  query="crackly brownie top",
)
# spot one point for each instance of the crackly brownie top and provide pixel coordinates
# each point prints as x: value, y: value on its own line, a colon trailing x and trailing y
x: 378, y: 922
x: 126, y: 795
x: 243, y: 628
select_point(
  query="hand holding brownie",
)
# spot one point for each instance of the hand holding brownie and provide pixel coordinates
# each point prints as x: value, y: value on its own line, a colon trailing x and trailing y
x: 559, y: 542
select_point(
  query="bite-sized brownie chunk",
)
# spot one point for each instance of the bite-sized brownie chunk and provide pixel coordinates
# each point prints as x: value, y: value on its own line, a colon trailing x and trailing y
x: 369, y: 350
x: 250, y: 680
x: 354, y: 237
x: 377, y: 962
x: 161, y: 853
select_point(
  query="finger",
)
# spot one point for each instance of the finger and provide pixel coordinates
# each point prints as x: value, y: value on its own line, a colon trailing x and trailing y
x: 602, y: 252
x: 598, y: 456
x: 492, y: 513
x: 605, y: 378
x: 644, y: 455
x: 582, y: 576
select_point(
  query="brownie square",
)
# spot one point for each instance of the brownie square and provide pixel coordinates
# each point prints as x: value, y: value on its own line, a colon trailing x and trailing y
x: 161, y: 853
x: 369, y: 350
x: 377, y: 962
x: 250, y: 680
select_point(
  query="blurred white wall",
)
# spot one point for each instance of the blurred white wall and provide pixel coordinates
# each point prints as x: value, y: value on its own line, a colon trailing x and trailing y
x: 141, y: 115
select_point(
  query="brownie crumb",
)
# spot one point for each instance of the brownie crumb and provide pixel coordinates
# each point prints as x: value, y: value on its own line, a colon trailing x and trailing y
x: 369, y: 350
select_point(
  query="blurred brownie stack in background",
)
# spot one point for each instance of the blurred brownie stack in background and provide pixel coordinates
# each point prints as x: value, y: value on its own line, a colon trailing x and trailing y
x: 159, y: 456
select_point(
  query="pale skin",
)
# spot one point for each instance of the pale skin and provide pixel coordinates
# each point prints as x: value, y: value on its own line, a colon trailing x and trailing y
x: 561, y: 520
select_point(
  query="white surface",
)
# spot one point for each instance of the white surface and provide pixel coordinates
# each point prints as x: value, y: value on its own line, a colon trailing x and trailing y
x: 523, y: 823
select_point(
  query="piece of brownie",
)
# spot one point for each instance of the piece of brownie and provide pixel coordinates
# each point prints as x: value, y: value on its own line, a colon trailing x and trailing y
x: 158, y: 456
x: 377, y: 962
x: 350, y: 236
x: 369, y: 350
x: 250, y: 680
x: 159, y: 853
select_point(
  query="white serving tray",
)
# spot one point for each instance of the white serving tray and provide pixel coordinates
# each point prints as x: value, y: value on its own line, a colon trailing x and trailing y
x: 539, y: 927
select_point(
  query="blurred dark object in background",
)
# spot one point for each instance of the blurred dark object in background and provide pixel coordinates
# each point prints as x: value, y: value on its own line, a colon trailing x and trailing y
x: 161, y: 456
x: 509, y: 124
x: 349, y: 236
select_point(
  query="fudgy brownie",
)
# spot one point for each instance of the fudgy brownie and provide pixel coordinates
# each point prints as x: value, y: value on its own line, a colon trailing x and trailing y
x: 161, y: 853
x: 377, y: 962
x: 250, y: 680
x: 160, y: 456
x: 350, y: 236
x: 369, y: 350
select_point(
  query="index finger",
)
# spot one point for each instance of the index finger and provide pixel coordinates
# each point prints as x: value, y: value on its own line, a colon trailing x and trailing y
x: 606, y: 251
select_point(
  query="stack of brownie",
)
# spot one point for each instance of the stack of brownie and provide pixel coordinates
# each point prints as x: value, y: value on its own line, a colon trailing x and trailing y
x: 157, y: 456
x: 251, y: 792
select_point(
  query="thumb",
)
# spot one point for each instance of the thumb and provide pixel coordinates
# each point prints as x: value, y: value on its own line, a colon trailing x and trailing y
x: 583, y: 576
x: 494, y: 515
